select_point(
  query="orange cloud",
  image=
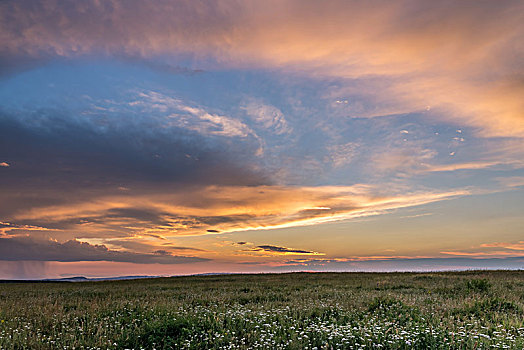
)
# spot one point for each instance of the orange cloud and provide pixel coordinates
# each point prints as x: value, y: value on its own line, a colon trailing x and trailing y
x: 6, y: 228
x: 277, y: 250
x: 220, y: 209
x: 466, y: 166
x: 513, y: 246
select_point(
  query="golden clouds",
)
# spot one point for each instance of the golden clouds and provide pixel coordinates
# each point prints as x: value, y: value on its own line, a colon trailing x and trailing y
x: 495, y: 249
x: 213, y: 209
x: 511, y: 246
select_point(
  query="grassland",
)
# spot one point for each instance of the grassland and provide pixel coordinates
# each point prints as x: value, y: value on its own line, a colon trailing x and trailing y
x: 453, y: 310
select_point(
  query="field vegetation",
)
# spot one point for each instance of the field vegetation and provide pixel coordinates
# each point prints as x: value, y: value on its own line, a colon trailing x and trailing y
x: 451, y: 310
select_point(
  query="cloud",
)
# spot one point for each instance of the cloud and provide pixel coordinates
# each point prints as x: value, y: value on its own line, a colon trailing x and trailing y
x: 267, y: 116
x: 496, y: 249
x: 194, y: 210
x: 512, y: 246
x: 4, y: 164
x: 144, y: 243
x: 422, y: 157
x: 461, y: 58
x: 321, y: 262
x: 341, y: 155
x: 16, y: 249
x: 6, y: 227
x: 57, y: 152
x: 511, y: 181
x: 479, y: 254
x: 404, y: 161
x: 178, y: 113
x: 173, y: 247
x: 160, y: 66
x: 193, y: 118
x: 463, y: 166
x: 284, y: 250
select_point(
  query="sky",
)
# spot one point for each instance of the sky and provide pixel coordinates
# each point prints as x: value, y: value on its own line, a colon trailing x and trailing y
x: 168, y: 138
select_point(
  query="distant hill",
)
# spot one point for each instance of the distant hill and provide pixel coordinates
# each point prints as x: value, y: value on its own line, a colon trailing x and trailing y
x: 117, y: 278
x: 79, y: 279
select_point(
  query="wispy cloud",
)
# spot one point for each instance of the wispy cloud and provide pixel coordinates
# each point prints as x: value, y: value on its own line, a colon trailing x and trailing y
x: 283, y: 250
x: 512, y: 246
x: 192, y: 117
x: 6, y: 227
x: 145, y: 244
x: 194, y: 211
x: 464, y: 166
x: 426, y: 53
x: 491, y: 249
x: 480, y: 254
x: 341, y: 155
x: 330, y: 261
x: 402, y: 160
x: 511, y: 181
x: 267, y: 116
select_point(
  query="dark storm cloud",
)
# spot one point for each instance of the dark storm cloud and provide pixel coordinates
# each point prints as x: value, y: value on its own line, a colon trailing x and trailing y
x: 53, y: 155
x: 276, y: 249
x: 174, y: 247
x: 15, y: 249
x: 251, y: 263
x: 68, y: 152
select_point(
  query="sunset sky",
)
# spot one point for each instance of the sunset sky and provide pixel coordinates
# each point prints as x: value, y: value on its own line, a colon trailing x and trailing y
x: 181, y: 137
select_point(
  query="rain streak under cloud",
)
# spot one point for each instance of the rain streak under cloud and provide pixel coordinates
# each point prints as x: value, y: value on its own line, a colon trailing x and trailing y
x: 180, y: 137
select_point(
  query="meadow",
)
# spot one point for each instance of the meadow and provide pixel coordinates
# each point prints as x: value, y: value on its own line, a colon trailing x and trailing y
x: 446, y: 310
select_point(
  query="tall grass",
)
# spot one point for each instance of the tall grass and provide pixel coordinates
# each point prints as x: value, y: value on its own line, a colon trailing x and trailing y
x: 458, y: 310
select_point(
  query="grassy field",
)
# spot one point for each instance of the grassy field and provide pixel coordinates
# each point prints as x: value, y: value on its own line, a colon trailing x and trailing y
x: 453, y: 310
